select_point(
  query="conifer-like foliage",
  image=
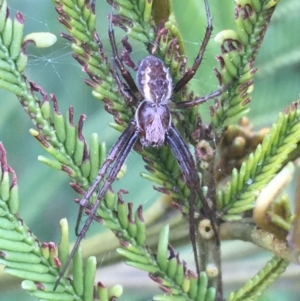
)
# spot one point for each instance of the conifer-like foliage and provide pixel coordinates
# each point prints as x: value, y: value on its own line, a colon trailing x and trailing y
x: 243, y: 171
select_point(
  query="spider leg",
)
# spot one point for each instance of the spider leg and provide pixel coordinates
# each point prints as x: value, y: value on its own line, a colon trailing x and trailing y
x: 113, y: 154
x: 125, y: 56
x: 100, y: 47
x: 125, y: 73
x: 122, y: 88
x: 189, y: 171
x: 161, y: 30
x: 200, y: 100
x: 129, y: 98
x: 191, y: 72
x: 118, y: 155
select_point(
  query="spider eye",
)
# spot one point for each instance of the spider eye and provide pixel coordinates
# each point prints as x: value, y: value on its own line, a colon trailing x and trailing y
x: 154, y: 80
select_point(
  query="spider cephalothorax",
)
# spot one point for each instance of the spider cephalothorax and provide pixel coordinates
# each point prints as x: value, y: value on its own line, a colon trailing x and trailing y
x: 152, y: 123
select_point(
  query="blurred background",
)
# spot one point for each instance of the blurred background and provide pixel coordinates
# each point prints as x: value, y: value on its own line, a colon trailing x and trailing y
x: 45, y: 195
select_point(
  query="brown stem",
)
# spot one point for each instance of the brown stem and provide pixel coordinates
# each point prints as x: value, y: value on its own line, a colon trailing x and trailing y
x: 250, y: 233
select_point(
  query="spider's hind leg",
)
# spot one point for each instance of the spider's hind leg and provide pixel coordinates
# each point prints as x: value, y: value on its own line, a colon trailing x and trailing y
x: 104, y: 179
x: 190, y: 173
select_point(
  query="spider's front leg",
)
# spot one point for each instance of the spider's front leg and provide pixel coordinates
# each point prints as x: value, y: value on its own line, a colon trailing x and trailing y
x: 118, y: 61
x: 189, y: 74
x: 130, y: 99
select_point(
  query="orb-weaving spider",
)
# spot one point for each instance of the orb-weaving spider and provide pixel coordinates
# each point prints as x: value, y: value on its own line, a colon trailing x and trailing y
x: 152, y: 123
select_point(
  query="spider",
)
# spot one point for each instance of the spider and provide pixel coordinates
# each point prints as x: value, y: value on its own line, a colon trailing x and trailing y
x: 152, y: 124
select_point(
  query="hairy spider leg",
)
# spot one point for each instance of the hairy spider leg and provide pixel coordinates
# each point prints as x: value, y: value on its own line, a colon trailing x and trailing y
x: 119, y: 151
x: 203, y: 99
x: 128, y: 97
x: 160, y: 31
x: 189, y: 74
x: 111, y: 156
x: 129, y: 100
x: 125, y: 73
x: 100, y: 48
x: 189, y: 171
x: 117, y: 155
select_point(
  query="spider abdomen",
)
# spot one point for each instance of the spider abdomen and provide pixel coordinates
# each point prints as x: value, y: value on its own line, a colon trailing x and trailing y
x: 154, y: 80
x: 153, y: 121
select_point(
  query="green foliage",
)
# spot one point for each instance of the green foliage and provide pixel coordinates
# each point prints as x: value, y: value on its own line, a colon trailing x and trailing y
x: 255, y: 286
x: 25, y: 257
x: 38, y: 264
x: 261, y: 166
